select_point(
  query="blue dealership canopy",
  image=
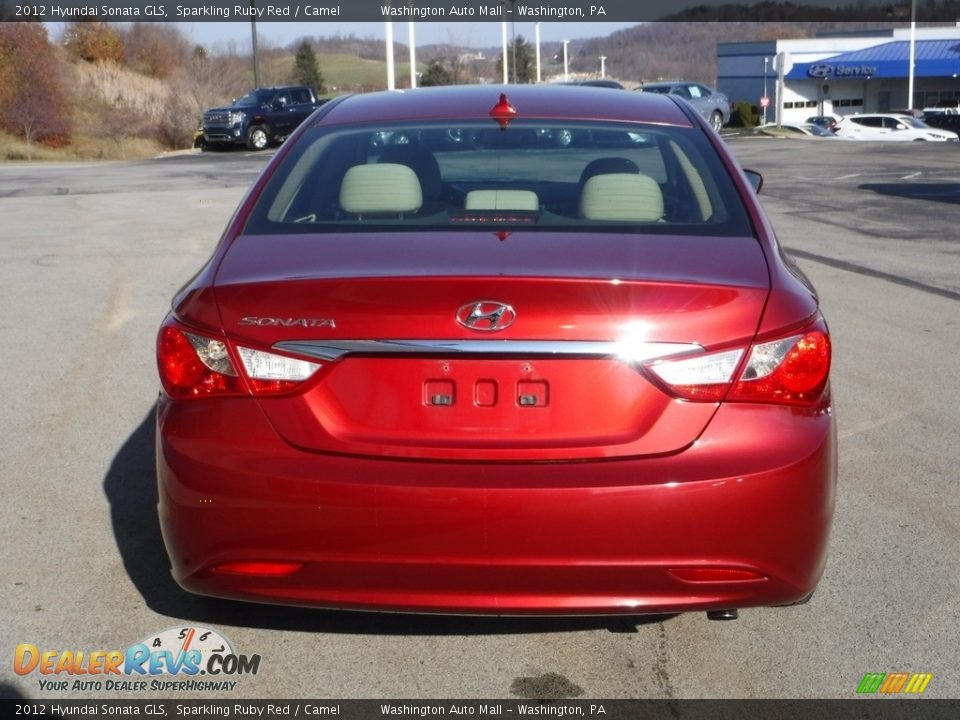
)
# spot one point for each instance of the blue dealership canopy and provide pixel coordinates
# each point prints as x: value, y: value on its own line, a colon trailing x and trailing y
x: 933, y: 58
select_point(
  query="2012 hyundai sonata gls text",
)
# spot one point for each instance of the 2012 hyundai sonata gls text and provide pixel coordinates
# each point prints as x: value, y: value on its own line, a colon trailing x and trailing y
x: 439, y: 362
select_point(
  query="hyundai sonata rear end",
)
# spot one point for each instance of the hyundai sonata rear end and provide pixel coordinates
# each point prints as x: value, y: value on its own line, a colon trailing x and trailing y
x: 441, y: 363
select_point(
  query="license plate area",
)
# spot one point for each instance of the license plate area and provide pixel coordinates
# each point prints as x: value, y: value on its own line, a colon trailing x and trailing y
x: 486, y: 392
x: 496, y: 408
x: 473, y: 402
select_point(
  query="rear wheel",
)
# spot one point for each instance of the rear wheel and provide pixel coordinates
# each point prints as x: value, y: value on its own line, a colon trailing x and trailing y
x: 716, y: 120
x: 258, y: 137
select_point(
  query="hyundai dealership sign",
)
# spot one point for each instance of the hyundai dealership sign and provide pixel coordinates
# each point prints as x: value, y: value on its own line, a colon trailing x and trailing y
x: 826, y: 70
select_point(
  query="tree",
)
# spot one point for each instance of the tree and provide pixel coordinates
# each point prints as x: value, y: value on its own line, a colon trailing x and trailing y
x: 35, y: 103
x: 520, y: 62
x: 306, y: 70
x: 94, y: 41
x: 155, y: 49
x: 436, y: 74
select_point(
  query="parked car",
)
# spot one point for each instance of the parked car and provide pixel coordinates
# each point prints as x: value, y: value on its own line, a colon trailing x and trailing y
x: 260, y: 117
x: 890, y: 127
x: 805, y: 130
x: 713, y: 105
x: 827, y: 122
x: 930, y: 111
x: 499, y: 376
x: 944, y: 121
x: 612, y: 84
x: 950, y: 107
x: 910, y: 112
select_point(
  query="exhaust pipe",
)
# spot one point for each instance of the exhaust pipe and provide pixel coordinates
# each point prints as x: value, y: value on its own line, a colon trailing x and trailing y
x: 722, y: 614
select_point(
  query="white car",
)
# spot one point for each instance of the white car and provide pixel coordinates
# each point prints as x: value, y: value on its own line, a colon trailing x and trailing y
x: 890, y: 127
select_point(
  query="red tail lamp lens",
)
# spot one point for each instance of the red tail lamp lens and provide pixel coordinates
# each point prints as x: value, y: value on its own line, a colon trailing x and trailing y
x: 185, y: 366
x: 263, y: 569
x: 792, y: 371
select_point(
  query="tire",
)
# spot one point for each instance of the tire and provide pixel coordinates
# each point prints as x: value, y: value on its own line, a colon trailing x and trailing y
x: 564, y: 137
x: 716, y: 120
x: 258, y: 137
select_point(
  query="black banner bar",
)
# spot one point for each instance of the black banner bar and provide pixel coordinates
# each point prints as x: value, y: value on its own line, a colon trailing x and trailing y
x: 471, y: 10
x: 854, y: 709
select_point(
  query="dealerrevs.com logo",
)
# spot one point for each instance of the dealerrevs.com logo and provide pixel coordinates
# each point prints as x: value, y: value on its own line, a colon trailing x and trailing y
x: 176, y: 659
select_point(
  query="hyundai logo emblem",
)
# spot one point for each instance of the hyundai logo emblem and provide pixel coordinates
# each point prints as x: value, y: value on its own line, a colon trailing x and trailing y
x: 486, y: 315
x: 820, y: 71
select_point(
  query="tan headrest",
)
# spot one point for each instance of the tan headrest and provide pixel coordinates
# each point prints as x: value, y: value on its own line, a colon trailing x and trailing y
x: 384, y: 188
x: 502, y: 200
x: 621, y: 196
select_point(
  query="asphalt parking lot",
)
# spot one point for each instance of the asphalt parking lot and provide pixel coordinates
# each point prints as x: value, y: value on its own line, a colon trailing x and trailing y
x: 90, y: 255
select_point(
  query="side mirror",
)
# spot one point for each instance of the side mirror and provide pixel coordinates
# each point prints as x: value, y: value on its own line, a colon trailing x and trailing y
x: 755, y: 179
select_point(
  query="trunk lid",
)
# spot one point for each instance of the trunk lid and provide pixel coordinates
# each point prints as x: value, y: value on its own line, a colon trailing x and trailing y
x: 401, y: 377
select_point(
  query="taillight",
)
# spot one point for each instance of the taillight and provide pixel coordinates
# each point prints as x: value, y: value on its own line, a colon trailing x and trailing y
x: 271, y: 373
x: 193, y: 365
x: 701, y: 377
x: 791, y: 370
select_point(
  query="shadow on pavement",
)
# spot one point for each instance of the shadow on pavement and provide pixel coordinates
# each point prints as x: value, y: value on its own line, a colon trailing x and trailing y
x: 131, y: 489
x: 937, y: 192
x: 10, y: 692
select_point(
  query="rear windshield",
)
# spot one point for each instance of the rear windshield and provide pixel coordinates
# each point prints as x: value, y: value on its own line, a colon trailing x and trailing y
x: 532, y: 175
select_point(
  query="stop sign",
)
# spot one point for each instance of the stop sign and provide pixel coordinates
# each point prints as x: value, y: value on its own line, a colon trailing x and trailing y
x: 764, y: 101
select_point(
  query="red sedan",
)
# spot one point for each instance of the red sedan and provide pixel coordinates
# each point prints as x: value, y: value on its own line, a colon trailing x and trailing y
x: 442, y: 362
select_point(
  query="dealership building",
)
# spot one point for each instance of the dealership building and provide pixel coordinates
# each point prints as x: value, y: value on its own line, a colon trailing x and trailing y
x: 843, y: 74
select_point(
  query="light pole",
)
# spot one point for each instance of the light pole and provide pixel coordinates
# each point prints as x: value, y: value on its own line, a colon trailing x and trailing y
x: 391, y: 79
x: 766, y: 61
x: 603, y: 66
x: 256, y: 59
x: 536, y: 33
x: 912, y: 53
x: 566, y: 66
x: 413, y: 54
x: 503, y: 42
x: 513, y: 40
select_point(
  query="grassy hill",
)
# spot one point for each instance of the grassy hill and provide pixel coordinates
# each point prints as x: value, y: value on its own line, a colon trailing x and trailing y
x: 342, y: 73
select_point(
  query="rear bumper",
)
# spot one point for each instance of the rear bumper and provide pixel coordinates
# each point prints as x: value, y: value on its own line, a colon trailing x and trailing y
x: 754, y: 494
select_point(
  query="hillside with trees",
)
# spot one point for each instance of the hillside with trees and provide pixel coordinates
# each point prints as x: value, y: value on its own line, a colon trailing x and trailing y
x: 101, y: 90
